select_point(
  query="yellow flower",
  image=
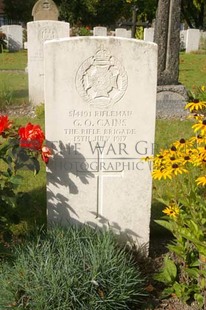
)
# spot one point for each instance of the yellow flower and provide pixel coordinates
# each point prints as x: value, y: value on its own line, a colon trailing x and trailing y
x: 198, y: 140
x: 172, y: 210
x: 178, y: 169
x: 183, y: 145
x: 195, y: 105
x: 197, y: 117
x: 203, y: 88
x: 201, y: 180
x: 161, y: 173
x: 199, y: 157
x: 201, y: 125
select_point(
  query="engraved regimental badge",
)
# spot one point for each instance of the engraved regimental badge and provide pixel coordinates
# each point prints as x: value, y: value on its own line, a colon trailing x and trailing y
x: 101, y: 80
x: 47, y: 33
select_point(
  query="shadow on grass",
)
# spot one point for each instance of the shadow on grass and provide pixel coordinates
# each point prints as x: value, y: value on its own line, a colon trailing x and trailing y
x: 21, y: 93
x: 159, y: 236
x: 31, y: 212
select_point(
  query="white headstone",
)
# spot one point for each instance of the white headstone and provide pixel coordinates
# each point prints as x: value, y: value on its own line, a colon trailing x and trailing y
x: 100, y: 31
x: 14, y: 35
x: 38, y: 32
x: 149, y: 34
x: 122, y: 32
x: 192, y: 40
x: 100, y: 121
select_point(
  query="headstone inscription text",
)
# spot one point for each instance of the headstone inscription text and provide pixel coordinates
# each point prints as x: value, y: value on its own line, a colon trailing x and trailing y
x: 99, y: 130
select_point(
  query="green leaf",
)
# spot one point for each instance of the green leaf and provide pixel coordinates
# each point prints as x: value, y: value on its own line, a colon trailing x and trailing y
x: 16, y: 179
x: 167, y: 292
x: 178, y: 289
x: 165, y: 224
x: 9, y: 200
x: 36, y: 165
x: 200, y: 299
x: 168, y: 273
x: 193, y: 273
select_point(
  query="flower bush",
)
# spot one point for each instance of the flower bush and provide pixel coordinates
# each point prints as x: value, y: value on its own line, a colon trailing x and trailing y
x: 183, y: 164
x: 20, y: 148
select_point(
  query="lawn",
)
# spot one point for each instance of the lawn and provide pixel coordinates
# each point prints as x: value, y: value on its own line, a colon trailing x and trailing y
x: 192, y: 70
x: 14, y: 85
x: 13, y: 61
x: 13, y: 89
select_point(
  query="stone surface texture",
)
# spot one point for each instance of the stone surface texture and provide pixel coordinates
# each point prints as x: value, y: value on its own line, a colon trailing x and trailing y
x: 171, y: 100
x: 167, y: 37
x: 38, y: 32
x: 45, y: 10
x: 100, y: 122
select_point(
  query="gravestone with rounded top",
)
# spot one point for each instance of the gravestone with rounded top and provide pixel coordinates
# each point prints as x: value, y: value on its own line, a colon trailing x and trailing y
x: 100, y: 97
x: 45, y: 10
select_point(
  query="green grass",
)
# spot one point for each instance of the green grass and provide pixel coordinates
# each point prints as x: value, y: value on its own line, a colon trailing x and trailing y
x: 13, y: 61
x: 13, y: 89
x: 167, y: 131
x: 14, y: 85
x: 192, y: 70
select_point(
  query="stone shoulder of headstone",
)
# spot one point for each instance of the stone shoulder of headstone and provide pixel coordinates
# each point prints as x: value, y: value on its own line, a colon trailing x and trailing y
x: 171, y: 100
x: 45, y: 10
x: 180, y: 89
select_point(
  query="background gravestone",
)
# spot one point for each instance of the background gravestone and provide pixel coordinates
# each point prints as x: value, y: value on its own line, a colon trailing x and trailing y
x: 14, y: 35
x: 149, y: 34
x: 37, y: 33
x: 100, y: 121
x: 171, y: 96
x: 45, y: 10
x: 124, y: 33
x: 167, y: 37
x: 192, y: 40
x: 99, y: 31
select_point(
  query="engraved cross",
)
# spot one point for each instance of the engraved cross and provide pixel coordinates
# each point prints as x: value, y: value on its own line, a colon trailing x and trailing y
x: 101, y: 174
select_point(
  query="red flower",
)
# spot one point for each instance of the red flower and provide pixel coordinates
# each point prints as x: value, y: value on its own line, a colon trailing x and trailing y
x: 46, y: 154
x: 31, y: 136
x: 4, y: 123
